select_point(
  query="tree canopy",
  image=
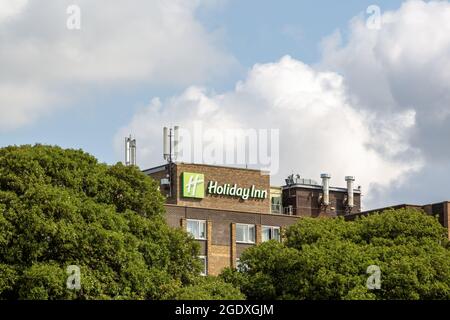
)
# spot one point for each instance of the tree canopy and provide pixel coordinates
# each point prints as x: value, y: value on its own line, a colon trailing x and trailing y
x: 208, y: 288
x: 62, y: 207
x: 329, y: 259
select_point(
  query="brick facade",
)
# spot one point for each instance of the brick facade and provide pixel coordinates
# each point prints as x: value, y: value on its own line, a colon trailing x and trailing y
x: 220, y: 246
x: 306, y: 201
x: 233, y: 253
x: 222, y: 213
x: 244, y: 178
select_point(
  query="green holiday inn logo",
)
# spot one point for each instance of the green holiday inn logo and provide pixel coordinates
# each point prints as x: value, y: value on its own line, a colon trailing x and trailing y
x: 193, y: 185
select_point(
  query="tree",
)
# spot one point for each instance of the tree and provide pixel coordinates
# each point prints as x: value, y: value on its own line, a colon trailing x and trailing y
x: 209, y: 288
x: 61, y: 207
x: 329, y: 259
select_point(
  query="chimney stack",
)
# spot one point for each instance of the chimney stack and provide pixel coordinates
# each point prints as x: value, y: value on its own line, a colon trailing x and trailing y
x: 350, y: 198
x: 326, y: 188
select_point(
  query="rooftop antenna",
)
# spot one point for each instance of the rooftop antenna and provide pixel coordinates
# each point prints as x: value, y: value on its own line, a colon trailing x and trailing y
x: 171, y: 141
x: 130, y: 151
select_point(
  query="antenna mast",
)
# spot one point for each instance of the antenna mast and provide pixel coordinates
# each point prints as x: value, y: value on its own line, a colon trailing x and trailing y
x: 170, y: 151
x: 130, y: 151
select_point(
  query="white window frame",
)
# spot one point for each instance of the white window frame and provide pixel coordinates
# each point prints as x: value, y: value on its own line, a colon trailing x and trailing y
x: 272, y: 228
x: 200, y: 223
x: 247, y: 226
x: 204, y: 272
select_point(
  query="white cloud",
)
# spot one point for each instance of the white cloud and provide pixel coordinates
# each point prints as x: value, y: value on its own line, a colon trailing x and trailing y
x: 21, y: 105
x: 377, y: 106
x: 10, y: 8
x: 119, y: 45
x: 403, y: 68
x: 320, y: 130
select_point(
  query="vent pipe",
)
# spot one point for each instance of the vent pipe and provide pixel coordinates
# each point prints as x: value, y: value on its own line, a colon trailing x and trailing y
x: 350, y: 198
x: 326, y: 188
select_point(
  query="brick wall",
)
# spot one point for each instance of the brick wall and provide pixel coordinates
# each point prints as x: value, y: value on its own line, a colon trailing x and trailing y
x: 306, y: 202
x: 218, y: 259
x: 233, y: 253
x: 220, y: 247
x: 242, y: 177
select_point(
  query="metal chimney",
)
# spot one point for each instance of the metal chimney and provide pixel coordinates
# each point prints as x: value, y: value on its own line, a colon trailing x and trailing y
x: 326, y: 188
x: 350, y: 198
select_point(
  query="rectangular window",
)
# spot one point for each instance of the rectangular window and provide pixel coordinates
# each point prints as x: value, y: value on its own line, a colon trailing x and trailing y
x: 276, y: 205
x: 245, y: 233
x: 271, y: 233
x: 197, y: 228
x: 204, y: 262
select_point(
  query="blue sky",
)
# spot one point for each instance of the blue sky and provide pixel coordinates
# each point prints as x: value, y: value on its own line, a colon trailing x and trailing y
x: 347, y: 98
x: 258, y: 31
x: 253, y: 31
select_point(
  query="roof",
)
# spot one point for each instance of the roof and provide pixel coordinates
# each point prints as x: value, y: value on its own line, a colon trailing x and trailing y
x: 162, y: 167
x: 380, y: 210
x: 155, y: 169
x: 318, y: 187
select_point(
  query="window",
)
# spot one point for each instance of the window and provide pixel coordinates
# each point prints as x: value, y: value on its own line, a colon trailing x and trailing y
x: 245, y: 233
x: 276, y: 205
x: 204, y: 262
x: 270, y: 233
x: 197, y: 228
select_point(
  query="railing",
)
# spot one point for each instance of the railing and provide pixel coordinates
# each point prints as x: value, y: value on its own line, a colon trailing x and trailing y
x: 276, y: 209
x: 289, y: 210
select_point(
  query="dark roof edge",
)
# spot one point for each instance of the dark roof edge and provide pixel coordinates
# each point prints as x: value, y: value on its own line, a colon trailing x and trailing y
x: 207, y: 165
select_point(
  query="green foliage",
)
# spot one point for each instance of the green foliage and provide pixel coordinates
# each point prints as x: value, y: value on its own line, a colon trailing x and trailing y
x: 209, y: 288
x: 61, y: 207
x: 43, y: 281
x: 328, y: 259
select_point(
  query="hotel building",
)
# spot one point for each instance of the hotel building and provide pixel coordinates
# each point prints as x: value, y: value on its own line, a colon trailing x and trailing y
x: 228, y: 210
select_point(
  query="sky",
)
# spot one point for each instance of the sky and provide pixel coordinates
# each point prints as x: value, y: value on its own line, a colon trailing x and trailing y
x: 350, y: 91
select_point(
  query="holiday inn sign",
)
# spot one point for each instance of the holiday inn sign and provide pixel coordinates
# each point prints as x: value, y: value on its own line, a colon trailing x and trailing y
x: 193, y: 186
